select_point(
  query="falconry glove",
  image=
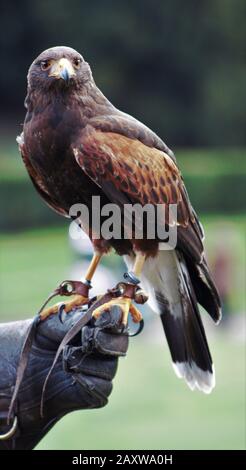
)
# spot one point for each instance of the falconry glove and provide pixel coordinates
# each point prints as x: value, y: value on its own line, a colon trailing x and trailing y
x: 81, y: 379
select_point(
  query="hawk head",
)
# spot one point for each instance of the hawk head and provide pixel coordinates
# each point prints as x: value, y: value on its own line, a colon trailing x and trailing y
x: 60, y: 68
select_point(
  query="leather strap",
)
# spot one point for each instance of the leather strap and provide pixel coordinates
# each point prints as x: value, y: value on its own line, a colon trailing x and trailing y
x: 124, y: 289
x: 69, y: 336
x: 22, y: 364
x: 66, y: 288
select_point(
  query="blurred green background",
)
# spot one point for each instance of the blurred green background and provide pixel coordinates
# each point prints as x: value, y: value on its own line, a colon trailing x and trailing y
x: 178, y: 67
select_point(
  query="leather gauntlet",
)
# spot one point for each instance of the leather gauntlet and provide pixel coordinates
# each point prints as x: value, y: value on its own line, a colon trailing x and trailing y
x: 81, y: 379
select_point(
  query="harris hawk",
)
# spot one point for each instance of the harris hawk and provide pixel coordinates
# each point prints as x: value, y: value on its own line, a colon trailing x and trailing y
x: 75, y: 145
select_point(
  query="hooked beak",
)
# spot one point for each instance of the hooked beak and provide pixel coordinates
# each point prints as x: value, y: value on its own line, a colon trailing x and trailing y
x: 62, y: 69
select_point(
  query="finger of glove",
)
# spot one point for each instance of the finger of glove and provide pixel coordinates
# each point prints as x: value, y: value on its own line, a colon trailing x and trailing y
x: 93, y: 364
x: 52, y: 330
x: 106, y: 335
x: 109, y: 343
x: 111, y: 320
x: 105, y: 342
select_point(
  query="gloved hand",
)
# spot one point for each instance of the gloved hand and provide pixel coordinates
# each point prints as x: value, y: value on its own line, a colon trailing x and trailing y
x: 81, y: 379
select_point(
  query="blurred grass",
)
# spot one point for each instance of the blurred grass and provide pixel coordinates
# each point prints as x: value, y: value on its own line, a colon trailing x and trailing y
x: 151, y: 409
x: 32, y: 263
x: 207, y: 162
x: 229, y: 233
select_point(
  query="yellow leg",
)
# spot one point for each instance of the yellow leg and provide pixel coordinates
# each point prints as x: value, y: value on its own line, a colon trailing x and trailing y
x: 77, y: 299
x: 124, y: 302
x: 93, y: 266
x: 138, y: 265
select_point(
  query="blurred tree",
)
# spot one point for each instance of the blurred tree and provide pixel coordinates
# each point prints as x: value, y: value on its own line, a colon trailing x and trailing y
x: 178, y: 66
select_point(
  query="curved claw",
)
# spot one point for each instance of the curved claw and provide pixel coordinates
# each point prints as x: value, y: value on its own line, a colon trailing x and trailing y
x: 139, y: 330
x: 62, y: 313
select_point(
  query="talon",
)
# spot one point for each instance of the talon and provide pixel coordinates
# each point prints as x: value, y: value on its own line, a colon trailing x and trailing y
x: 136, y: 314
x: 62, y: 313
x: 126, y: 307
x: 67, y: 306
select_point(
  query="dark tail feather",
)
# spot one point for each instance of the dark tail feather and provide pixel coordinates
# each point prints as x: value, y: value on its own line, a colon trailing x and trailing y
x: 205, y: 290
x: 186, y: 337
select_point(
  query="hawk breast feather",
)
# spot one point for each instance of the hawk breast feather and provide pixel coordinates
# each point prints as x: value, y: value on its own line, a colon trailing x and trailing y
x: 37, y: 181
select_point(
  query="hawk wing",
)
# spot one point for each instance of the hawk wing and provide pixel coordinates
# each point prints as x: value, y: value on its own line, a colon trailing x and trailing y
x: 129, y: 171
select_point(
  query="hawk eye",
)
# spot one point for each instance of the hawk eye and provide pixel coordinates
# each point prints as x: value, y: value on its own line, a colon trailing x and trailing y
x: 77, y: 62
x: 45, y: 64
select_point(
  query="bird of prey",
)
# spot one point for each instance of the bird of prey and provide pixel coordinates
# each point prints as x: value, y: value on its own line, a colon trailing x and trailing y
x: 75, y: 145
